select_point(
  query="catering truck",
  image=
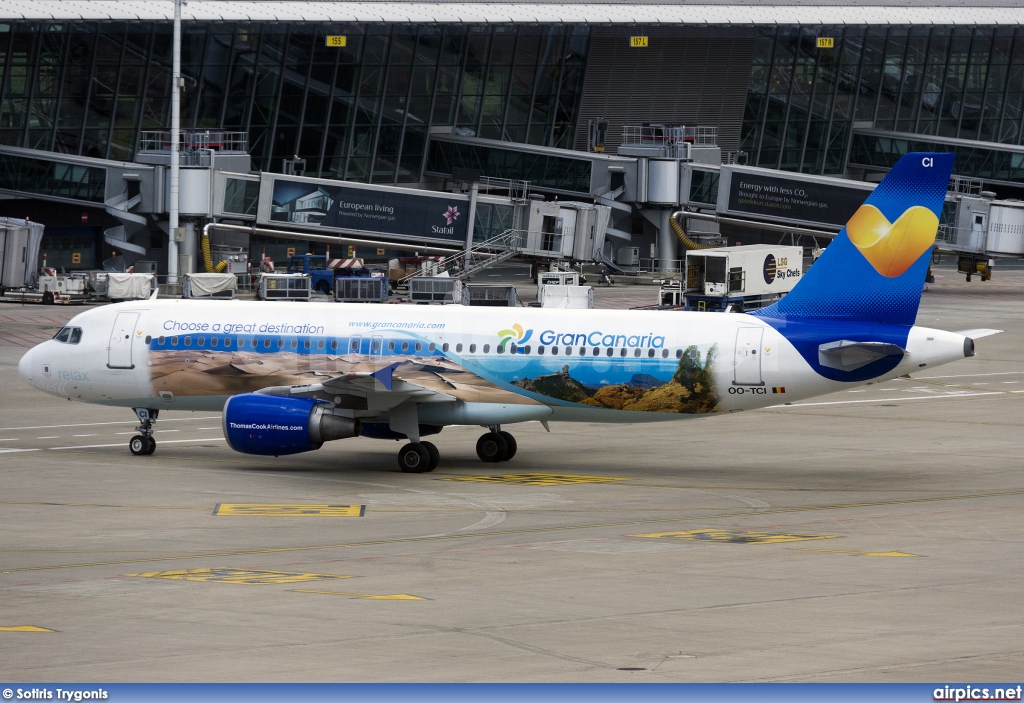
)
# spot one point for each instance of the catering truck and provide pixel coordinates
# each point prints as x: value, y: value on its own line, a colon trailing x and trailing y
x: 738, y: 279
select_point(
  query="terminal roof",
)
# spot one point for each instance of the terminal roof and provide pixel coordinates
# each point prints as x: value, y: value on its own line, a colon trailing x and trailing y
x: 626, y: 12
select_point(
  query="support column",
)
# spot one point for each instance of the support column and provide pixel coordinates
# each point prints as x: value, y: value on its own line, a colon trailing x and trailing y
x: 668, y: 245
x: 474, y: 191
x: 172, y: 245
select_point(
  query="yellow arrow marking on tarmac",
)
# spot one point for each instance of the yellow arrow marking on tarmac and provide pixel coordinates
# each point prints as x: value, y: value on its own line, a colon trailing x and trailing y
x: 368, y: 596
x: 24, y: 628
x: 859, y: 554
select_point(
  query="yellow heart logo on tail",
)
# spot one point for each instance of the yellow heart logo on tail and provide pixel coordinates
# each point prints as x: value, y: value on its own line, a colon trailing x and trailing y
x: 892, y: 248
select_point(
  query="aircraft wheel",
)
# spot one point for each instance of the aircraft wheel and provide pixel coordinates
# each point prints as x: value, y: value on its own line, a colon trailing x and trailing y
x: 414, y: 458
x: 435, y: 456
x: 510, y: 443
x: 139, y: 444
x: 150, y: 446
x: 491, y: 447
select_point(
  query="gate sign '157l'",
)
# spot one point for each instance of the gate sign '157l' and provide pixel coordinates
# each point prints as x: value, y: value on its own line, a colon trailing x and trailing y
x: 290, y: 377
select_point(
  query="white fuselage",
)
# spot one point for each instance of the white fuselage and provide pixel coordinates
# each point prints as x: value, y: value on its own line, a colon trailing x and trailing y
x: 586, y: 365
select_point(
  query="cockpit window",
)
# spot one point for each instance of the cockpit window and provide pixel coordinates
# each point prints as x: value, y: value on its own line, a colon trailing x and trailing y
x: 69, y: 335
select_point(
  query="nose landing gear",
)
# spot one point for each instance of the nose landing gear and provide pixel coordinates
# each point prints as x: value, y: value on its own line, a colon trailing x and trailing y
x: 143, y: 443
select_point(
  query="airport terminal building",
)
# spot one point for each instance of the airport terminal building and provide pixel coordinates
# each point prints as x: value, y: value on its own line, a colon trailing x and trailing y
x: 409, y: 93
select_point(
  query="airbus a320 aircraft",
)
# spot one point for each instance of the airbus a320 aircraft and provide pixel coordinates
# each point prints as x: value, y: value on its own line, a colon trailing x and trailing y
x: 290, y: 377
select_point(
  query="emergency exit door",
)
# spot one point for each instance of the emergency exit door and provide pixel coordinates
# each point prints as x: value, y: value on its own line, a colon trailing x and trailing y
x: 119, y: 350
x: 747, y: 357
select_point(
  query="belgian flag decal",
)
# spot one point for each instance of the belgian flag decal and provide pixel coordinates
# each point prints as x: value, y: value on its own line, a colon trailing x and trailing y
x: 778, y: 389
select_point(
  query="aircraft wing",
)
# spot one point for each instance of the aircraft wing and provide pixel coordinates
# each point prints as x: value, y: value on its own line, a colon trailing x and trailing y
x: 846, y: 355
x: 376, y: 391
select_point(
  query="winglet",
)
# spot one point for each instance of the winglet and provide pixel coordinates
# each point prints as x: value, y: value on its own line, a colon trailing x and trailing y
x: 384, y: 375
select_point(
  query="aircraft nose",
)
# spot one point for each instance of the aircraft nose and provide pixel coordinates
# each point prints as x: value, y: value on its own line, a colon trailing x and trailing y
x: 25, y: 366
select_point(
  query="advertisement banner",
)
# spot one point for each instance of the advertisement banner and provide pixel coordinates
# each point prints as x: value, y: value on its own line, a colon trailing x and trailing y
x: 792, y: 199
x: 386, y: 212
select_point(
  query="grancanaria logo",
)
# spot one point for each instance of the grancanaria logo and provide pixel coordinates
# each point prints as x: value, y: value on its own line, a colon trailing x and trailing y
x: 517, y: 334
x: 892, y: 248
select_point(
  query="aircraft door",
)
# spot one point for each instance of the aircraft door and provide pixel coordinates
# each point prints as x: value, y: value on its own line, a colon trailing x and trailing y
x: 747, y: 357
x: 119, y: 349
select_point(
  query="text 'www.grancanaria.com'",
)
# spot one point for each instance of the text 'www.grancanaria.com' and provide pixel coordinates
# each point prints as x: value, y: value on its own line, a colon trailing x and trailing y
x: 969, y: 692
x: 399, y: 325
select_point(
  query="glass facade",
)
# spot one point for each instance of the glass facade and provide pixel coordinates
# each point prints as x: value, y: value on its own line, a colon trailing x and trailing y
x: 803, y: 101
x: 360, y: 112
x: 541, y: 170
x: 987, y: 164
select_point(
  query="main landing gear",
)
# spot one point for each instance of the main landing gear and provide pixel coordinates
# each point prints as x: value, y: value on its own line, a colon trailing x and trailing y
x: 492, y: 447
x: 495, y: 446
x: 143, y: 443
x: 418, y: 457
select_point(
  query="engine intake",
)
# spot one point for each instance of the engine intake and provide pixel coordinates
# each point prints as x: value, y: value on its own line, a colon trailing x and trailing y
x: 276, y: 425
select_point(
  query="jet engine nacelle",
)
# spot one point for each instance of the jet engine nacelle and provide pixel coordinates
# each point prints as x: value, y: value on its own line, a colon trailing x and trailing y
x: 276, y: 425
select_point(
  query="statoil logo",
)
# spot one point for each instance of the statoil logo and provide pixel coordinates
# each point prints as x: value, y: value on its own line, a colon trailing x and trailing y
x: 516, y: 334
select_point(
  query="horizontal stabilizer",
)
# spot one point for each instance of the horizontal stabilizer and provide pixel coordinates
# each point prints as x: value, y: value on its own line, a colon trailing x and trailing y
x: 979, y: 333
x: 845, y: 355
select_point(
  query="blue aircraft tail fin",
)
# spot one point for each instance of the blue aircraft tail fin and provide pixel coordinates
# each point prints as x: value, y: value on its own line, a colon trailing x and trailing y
x: 874, y: 270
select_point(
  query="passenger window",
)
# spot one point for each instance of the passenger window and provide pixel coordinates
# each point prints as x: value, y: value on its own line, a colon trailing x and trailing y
x: 597, y: 351
x: 201, y: 341
x: 160, y: 340
x: 280, y: 344
x: 622, y: 352
x: 253, y: 342
x: 214, y: 341
x: 188, y: 341
x: 472, y: 348
x: 513, y: 349
x: 320, y: 344
x: 679, y: 353
x: 554, y: 350
x: 583, y: 351
x: 305, y: 344
x: 610, y: 351
x: 419, y: 346
x: 405, y: 346
x: 266, y: 343
x: 432, y: 347
x: 148, y: 338
x: 501, y: 349
x: 527, y: 348
x: 636, y: 352
x: 540, y: 350
x: 458, y: 347
x: 487, y: 348
x: 63, y: 334
x: 391, y: 346
x: 295, y: 344
x: 664, y: 353
x: 650, y: 354
x: 174, y: 341
x: 444, y: 347
x: 76, y: 336
x: 334, y: 345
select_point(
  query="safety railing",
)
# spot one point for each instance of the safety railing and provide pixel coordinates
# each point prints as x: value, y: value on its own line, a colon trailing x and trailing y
x: 665, y: 135
x: 506, y: 244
